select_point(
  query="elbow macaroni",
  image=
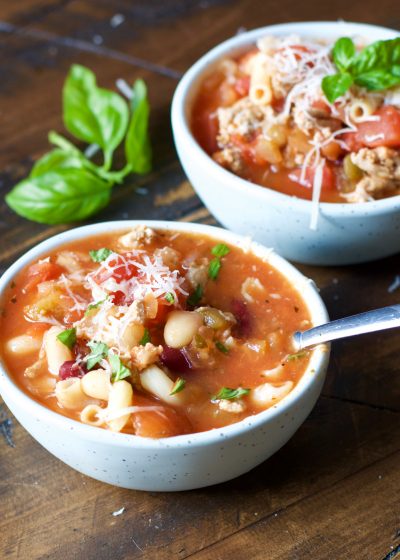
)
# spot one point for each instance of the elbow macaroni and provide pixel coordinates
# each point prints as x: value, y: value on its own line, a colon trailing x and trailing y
x: 121, y: 395
x: 260, y: 91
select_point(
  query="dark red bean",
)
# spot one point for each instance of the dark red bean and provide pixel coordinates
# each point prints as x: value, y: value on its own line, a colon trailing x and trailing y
x: 71, y: 369
x: 176, y: 360
x: 242, y: 315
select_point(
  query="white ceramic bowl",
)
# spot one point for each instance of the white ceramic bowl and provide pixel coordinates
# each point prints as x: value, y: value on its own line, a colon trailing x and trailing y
x: 182, y: 462
x: 346, y: 234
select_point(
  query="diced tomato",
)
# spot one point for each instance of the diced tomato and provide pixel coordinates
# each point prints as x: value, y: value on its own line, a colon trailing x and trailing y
x: 41, y: 272
x: 120, y: 270
x: 246, y: 148
x: 382, y: 132
x: 321, y: 105
x: 207, y: 126
x: 118, y: 298
x: 328, y: 177
x: 242, y: 86
x: 278, y: 104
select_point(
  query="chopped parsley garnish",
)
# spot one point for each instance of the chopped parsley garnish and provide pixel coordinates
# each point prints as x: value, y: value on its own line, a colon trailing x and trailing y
x: 67, y: 337
x: 230, y: 394
x: 100, y: 255
x: 119, y: 370
x: 145, y: 338
x: 179, y: 385
x: 99, y: 351
x: 221, y: 347
x: 219, y: 251
x: 95, y: 305
x: 195, y: 297
x: 170, y: 297
x: 297, y: 356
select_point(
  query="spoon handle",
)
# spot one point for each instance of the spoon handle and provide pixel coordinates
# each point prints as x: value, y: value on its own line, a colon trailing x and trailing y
x: 370, y: 321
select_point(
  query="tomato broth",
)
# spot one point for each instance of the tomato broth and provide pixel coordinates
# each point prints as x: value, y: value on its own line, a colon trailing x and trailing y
x: 153, y: 333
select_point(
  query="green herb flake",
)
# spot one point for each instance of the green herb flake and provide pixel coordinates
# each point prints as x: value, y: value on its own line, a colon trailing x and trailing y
x: 118, y: 369
x: 214, y: 268
x: 170, y: 297
x: 230, y: 394
x: 220, y: 250
x: 179, y: 385
x: 67, y: 337
x: 100, y: 255
x: 195, y: 297
x: 221, y: 347
x: 145, y: 338
x: 298, y: 356
x: 99, y: 351
x: 94, y: 305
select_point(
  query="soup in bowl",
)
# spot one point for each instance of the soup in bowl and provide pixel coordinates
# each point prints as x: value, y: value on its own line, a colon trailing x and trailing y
x: 132, y: 351
x: 287, y: 140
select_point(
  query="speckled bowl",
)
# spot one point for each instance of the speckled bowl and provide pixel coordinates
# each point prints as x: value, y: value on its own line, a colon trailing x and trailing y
x: 182, y: 462
x: 346, y: 233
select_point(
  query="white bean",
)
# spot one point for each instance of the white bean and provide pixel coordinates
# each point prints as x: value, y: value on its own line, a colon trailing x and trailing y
x: 23, y: 344
x: 157, y: 382
x: 56, y: 352
x: 70, y: 395
x: 96, y: 384
x: 121, y: 395
x: 268, y: 394
x: 180, y: 328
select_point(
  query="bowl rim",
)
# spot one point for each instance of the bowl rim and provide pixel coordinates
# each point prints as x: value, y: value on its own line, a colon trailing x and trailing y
x: 193, y: 76
x: 11, y: 392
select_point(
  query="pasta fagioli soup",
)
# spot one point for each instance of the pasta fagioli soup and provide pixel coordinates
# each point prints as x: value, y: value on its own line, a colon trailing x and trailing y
x: 153, y: 333
x: 282, y: 116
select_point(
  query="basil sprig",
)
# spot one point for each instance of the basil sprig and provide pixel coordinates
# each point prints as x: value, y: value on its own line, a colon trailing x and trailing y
x: 375, y: 68
x: 64, y: 185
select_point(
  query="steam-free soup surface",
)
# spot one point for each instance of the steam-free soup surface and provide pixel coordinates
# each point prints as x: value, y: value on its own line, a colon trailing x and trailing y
x: 153, y: 333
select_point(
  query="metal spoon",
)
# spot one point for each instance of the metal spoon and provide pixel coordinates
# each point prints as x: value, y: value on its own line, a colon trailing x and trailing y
x: 370, y: 321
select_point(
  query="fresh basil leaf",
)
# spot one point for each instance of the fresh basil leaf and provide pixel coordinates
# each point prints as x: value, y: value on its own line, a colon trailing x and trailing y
x: 59, y: 196
x: 100, y: 255
x: 214, y: 268
x: 99, y: 351
x: 67, y: 337
x: 376, y: 80
x: 336, y: 85
x: 169, y: 297
x: 220, y: 250
x: 61, y: 142
x: 195, y: 297
x: 343, y: 53
x: 377, y: 56
x: 229, y: 394
x: 95, y: 115
x: 119, y: 370
x: 54, y: 160
x: 221, y: 347
x: 145, y: 338
x: 179, y: 385
x: 137, y: 141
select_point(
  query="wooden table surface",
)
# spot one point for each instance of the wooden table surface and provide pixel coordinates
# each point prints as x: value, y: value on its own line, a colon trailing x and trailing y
x: 333, y: 491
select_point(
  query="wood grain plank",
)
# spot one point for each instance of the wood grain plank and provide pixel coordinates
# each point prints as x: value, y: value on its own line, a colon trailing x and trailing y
x: 197, y: 26
x: 357, y: 518
x: 339, y: 439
